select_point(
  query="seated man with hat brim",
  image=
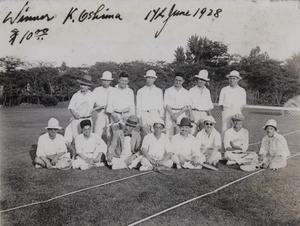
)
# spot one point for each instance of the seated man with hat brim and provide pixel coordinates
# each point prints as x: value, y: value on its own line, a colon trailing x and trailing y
x: 125, y: 145
x: 80, y: 106
x: 273, y: 152
x: 90, y: 148
x: 236, y: 143
x: 186, y: 148
x: 232, y: 99
x: 210, y: 141
x: 51, y: 147
x: 156, y: 148
x: 201, y: 101
x: 101, y: 95
x: 149, y: 101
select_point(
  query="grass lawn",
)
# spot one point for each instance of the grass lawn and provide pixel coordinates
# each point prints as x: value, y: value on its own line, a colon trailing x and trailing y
x: 267, y: 198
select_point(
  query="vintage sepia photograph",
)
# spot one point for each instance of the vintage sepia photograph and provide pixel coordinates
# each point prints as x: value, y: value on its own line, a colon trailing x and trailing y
x: 127, y: 112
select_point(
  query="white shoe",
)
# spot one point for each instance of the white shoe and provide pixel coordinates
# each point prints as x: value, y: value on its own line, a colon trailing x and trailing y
x: 198, y: 167
x: 188, y: 165
x: 249, y: 168
x: 229, y: 162
x: 99, y: 164
x: 145, y: 168
x: 119, y: 166
x: 37, y: 166
x: 178, y: 167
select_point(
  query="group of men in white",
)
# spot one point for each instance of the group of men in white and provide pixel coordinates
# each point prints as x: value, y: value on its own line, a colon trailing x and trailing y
x: 174, y: 129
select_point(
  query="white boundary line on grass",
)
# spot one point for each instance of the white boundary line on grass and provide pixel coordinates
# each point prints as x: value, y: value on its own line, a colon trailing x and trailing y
x: 199, y: 197
x: 74, y: 192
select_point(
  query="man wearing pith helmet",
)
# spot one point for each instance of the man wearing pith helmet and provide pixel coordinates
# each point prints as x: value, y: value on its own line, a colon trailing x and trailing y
x: 274, y: 150
x: 236, y: 143
x: 210, y: 140
x: 51, y: 147
x: 101, y: 94
x: 232, y: 99
x: 149, y: 101
x: 201, y: 101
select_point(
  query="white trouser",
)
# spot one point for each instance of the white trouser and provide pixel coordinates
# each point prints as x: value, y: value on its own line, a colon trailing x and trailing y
x: 281, y: 162
x: 170, y: 124
x: 241, y: 158
x: 227, y: 114
x: 73, y: 129
x: 101, y: 122
x: 198, y: 116
x: 176, y: 159
x: 145, y: 162
x: 149, y: 117
x: 80, y: 163
x: 212, y: 156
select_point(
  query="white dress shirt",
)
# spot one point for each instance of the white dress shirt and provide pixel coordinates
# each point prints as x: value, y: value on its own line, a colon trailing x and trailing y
x: 240, y: 138
x: 232, y: 97
x: 201, y: 98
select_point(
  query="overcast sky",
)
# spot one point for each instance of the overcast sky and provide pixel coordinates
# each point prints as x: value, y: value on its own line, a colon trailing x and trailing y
x: 242, y: 25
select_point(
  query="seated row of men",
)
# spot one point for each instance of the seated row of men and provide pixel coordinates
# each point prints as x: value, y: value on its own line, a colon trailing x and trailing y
x: 129, y: 150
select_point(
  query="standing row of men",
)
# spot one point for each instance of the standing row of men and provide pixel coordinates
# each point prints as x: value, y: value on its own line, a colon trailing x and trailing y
x: 176, y: 103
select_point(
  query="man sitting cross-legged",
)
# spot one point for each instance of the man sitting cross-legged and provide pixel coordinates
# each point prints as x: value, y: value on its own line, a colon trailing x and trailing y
x: 236, y: 143
x: 156, y: 148
x: 273, y: 152
x: 186, y: 148
x: 51, y: 147
x: 90, y: 148
x: 125, y: 145
x: 210, y: 140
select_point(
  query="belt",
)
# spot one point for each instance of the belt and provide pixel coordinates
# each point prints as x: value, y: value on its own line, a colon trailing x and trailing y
x: 85, y: 117
x: 176, y: 109
x: 195, y: 109
x: 118, y: 112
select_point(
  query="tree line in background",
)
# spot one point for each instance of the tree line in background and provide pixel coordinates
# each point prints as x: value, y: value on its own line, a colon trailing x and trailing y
x: 267, y: 81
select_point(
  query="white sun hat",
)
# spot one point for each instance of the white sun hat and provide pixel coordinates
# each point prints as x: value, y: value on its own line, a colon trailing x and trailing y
x: 234, y: 74
x: 150, y: 73
x: 203, y: 74
x: 107, y: 75
x: 53, y: 124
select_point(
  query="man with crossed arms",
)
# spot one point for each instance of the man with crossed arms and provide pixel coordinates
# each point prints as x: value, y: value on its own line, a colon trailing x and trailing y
x: 201, y: 101
x: 149, y: 101
x: 177, y: 101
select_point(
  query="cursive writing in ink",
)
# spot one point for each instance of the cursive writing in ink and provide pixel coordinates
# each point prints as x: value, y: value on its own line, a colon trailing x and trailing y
x: 21, y: 17
x: 93, y: 15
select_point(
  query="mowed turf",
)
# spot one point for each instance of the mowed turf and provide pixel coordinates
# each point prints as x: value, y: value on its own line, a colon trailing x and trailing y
x: 267, y: 198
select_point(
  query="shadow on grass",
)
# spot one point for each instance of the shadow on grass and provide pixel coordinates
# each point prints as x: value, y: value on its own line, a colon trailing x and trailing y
x: 32, y: 152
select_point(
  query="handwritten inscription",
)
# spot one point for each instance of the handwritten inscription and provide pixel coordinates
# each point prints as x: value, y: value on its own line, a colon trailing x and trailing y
x: 173, y: 12
x: 101, y: 13
x: 20, y: 17
x: 38, y: 34
x: 93, y: 15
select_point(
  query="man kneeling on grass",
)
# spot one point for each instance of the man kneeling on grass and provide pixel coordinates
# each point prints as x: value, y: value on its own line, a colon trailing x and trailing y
x: 156, y: 148
x: 273, y: 152
x: 236, y: 143
x: 186, y: 148
x: 210, y: 140
x: 125, y: 145
x: 90, y: 148
x: 51, y: 148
